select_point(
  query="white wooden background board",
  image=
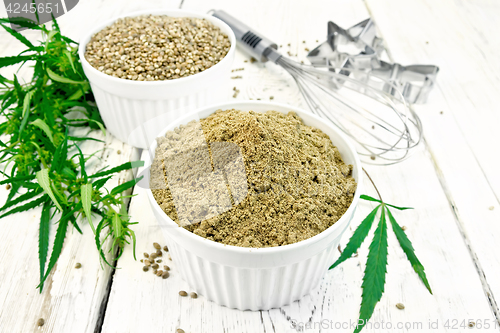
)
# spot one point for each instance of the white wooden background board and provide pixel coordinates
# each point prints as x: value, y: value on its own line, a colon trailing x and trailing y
x: 451, y: 181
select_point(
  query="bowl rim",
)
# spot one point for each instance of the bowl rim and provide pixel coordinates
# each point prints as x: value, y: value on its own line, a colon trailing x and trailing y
x: 85, y: 38
x: 263, y: 250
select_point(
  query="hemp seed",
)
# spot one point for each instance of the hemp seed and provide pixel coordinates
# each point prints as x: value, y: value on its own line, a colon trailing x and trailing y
x: 157, y: 246
x: 183, y: 293
x: 156, y: 47
x: 40, y: 322
x: 193, y: 294
x: 400, y: 306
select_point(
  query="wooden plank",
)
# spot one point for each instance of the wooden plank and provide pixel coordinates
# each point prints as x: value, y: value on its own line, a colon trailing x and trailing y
x: 73, y: 299
x: 458, y: 292
x: 463, y: 138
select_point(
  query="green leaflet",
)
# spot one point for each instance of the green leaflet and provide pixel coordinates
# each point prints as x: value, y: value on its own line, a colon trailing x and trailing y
x: 374, y: 276
x: 19, y: 37
x: 409, y: 250
x: 117, y: 226
x: 57, y: 248
x: 16, y: 179
x: 27, y: 206
x: 8, y: 61
x: 62, y: 79
x: 357, y: 238
x: 124, y: 166
x: 26, y: 108
x: 44, y: 181
x: 21, y: 198
x: 100, y: 227
x: 43, y: 238
x: 125, y: 186
x: 44, y: 127
x: 81, y: 159
x: 86, y: 193
x: 368, y: 198
x: 60, y: 155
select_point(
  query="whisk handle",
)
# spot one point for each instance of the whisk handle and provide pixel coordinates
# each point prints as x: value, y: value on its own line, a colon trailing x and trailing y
x: 253, y: 43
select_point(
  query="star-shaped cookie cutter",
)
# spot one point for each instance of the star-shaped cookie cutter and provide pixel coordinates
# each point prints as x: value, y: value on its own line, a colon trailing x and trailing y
x: 357, y: 52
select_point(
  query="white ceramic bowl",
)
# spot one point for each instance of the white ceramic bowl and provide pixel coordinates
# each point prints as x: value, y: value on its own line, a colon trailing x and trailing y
x: 136, y: 111
x: 257, y: 278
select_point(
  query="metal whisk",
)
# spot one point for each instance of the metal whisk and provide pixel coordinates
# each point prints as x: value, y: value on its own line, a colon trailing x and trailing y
x: 382, y: 125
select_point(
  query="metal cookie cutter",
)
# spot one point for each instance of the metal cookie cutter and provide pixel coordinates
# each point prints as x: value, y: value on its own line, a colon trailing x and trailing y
x: 360, y: 49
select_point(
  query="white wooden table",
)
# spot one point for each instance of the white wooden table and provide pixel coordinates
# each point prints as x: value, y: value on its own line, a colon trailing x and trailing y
x: 452, y: 181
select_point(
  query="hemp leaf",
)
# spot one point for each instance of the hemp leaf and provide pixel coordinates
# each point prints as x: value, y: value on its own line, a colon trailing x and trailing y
x: 376, y: 263
x: 44, y: 160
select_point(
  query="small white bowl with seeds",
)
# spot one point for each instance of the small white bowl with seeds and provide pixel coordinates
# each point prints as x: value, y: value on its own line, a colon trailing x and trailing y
x: 148, y: 68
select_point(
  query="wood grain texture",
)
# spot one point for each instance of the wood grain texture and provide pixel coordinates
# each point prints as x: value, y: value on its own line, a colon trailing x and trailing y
x: 458, y: 291
x: 463, y: 139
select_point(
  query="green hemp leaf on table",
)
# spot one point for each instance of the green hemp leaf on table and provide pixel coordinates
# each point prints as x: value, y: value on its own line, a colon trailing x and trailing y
x: 376, y: 264
x: 47, y: 166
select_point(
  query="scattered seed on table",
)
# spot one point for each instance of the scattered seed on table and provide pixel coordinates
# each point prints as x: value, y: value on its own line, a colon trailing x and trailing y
x: 472, y: 324
x: 306, y: 49
x: 491, y: 207
x: 258, y: 99
x: 78, y: 265
x: 373, y: 127
x: 159, y: 253
x: 158, y: 260
x: 142, y: 260
x: 147, y: 262
x: 245, y: 61
x: 180, y: 330
x: 403, y: 227
x: 317, y: 41
x: 159, y: 273
x: 237, y: 77
x: 154, y: 271
x: 252, y: 60
x: 118, y: 151
x: 155, y: 266
x: 165, y: 267
x: 193, y: 294
x: 234, y: 88
x: 271, y: 97
x: 153, y: 255
x: 281, y: 45
x: 372, y: 157
x: 302, y: 61
x: 8, y: 186
x: 165, y: 275
x: 165, y: 248
x: 145, y: 268
x: 183, y: 293
x: 40, y: 322
x: 157, y: 246
x: 400, y: 306
x: 169, y: 257
x: 146, y: 255
x: 288, y: 44
x: 441, y: 112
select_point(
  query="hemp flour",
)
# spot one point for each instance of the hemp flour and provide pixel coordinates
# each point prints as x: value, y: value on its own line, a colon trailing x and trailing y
x: 251, y: 179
